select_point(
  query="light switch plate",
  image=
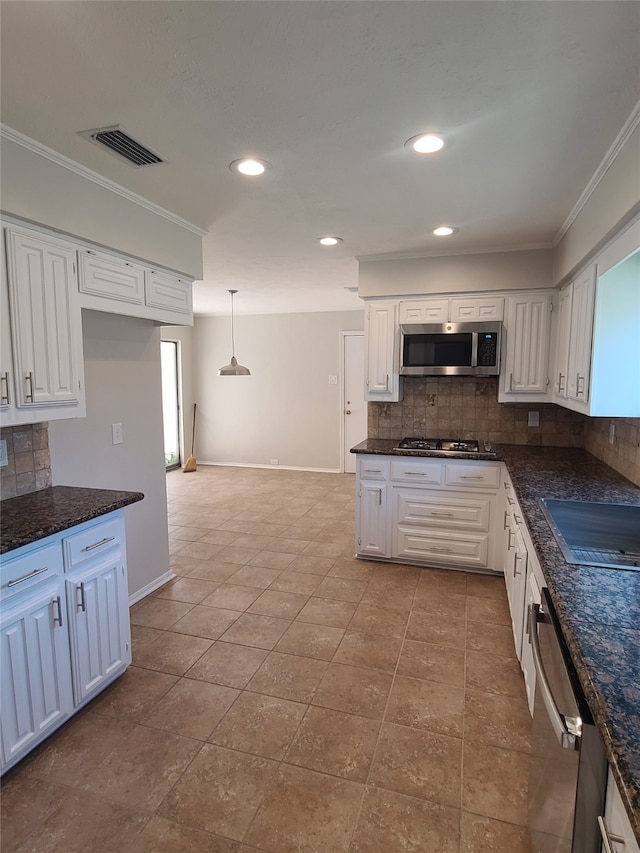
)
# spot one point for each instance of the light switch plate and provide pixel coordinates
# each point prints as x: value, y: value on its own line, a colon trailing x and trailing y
x: 116, y: 434
x: 533, y: 419
x: 4, y: 460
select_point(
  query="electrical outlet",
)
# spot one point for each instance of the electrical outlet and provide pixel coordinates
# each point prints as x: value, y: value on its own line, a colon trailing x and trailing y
x: 116, y: 434
x: 274, y: 461
x: 4, y: 459
x: 612, y: 433
x: 533, y: 419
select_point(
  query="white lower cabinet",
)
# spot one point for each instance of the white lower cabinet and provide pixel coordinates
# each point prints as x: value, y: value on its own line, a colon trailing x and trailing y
x: 64, y: 630
x: 616, y: 824
x: 427, y: 511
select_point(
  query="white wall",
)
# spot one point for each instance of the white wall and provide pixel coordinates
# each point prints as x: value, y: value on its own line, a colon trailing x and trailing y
x: 614, y: 201
x: 42, y: 190
x: 522, y: 270
x: 286, y: 409
x: 123, y: 385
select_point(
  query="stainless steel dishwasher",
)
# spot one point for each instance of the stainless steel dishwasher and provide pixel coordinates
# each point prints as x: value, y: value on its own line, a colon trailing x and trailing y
x: 568, y: 769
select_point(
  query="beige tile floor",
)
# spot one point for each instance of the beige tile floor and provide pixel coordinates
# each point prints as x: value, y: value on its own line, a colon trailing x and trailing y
x: 286, y: 697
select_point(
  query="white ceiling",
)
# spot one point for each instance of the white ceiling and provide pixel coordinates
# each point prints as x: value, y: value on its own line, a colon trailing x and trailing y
x: 533, y: 94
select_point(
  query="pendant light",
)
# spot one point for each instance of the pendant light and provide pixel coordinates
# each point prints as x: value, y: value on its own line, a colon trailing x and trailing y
x: 233, y: 368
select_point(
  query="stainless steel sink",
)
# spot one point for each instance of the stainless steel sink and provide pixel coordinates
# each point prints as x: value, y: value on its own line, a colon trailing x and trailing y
x: 596, y: 534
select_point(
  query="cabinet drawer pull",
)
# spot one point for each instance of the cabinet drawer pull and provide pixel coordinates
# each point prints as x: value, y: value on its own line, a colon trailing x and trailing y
x: 518, y: 518
x: 440, y: 550
x: 5, y: 397
x: 608, y: 837
x: 561, y: 376
x: 441, y: 514
x: 505, y: 523
x: 509, y: 540
x: 511, y: 382
x: 471, y: 477
x: 416, y: 473
x: 82, y: 604
x: 26, y: 577
x: 515, y: 564
x: 373, y: 471
x: 579, y: 379
x: 29, y: 378
x: 57, y: 620
x: 98, y: 544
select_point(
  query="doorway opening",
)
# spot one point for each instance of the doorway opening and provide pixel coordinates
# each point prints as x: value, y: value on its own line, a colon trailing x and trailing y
x: 170, y: 365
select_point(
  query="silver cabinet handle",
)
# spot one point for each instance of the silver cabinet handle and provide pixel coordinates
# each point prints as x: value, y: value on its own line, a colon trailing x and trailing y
x: 386, y: 384
x: 509, y: 540
x: 471, y: 477
x: 579, y: 379
x: 440, y: 550
x: 510, y: 500
x: 561, y: 376
x: 98, y: 544
x: 57, y: 603
x: 441, y: 514
x: 416, y: 473
x: 518, y: 518
x: 505, y: 523
x: 515, y: 563
x: 29, y: 378
x: 608, y: 838
x: 379, y: 497
x: 82, y: 604
x: 567, y: 729
x: 511, y: 382
x: 5, y: 397
x: 26, y: 577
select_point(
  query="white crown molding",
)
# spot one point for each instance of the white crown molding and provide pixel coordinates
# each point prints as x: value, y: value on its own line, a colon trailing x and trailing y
x: 26, y: 142
x: 402, y: 256
x: 618, y: 144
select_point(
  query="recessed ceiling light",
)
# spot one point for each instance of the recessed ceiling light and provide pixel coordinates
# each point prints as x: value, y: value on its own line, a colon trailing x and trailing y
x: 444, y: 231
x: 330, y: 241
x: 426, y: 143
x: 249, y: 166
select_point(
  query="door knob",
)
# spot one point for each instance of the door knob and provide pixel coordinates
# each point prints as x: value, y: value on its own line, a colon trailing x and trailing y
x: 348, y: 412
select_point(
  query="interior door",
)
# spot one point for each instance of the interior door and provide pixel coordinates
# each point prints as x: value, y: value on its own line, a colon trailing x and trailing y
x: 354, y: 407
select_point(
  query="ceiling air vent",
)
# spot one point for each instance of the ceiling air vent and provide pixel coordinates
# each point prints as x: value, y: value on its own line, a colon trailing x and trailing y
x: 118, y: 141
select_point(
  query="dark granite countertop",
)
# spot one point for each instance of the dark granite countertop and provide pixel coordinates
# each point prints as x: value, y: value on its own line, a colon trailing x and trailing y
x: 598, y: 608
x: 35, y: 516
x: 387, y: 447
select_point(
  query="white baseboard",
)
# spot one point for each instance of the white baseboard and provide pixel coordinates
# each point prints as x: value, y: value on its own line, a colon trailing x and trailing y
x: 271, y: 467
x: 151, y: 587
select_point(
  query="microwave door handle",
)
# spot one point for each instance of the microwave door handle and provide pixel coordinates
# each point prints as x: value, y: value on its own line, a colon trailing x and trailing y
x: 474, y: 349
x: 566, y: 738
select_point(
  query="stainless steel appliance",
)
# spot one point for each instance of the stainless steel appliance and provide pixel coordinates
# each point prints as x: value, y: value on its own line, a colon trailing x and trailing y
x: 596, y: 534
x: 449, y: 445
x: 568, y: 768
x: 450, y: 349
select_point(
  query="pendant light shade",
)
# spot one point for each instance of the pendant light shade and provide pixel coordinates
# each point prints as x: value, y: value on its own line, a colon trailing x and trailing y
x: 233, y: 368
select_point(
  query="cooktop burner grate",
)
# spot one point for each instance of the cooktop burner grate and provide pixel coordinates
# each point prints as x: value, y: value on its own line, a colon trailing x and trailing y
x: 460, y: 445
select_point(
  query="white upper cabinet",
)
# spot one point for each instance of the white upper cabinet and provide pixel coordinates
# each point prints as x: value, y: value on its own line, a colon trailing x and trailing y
x: 46, y: 329
x: 382, y: 356
x: 573, y: 336
x: 524, y: 374
x: 110, y: 277
x: 467, y: 309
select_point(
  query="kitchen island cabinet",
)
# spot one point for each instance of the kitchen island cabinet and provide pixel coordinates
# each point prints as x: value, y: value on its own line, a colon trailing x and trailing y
x: 64, y: 611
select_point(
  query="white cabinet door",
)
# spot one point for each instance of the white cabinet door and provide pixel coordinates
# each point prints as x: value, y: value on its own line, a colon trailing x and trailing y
x: 424, y: 311
x: 382, y: 357
x: 476, y: 309
x: 562, y: 342
x: 525, y: 372
x: 45, y: 321
x: 371, y: 521
x: 111, y: 277
x: 168, y: 292
x: 7, y: 387
x: 616, y: 821
x: 36, y: 672
x: 99, y: 624
x: 579, y: 362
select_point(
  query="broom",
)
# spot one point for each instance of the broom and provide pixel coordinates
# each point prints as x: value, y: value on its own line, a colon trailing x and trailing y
x: 190, y: 464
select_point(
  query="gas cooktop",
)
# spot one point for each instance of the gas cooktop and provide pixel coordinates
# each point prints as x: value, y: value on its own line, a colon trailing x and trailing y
x: 450, y: 445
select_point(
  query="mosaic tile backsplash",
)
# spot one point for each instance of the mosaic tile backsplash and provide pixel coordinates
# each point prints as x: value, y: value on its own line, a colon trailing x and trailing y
x: 624, y: 453
x: 29, y: 462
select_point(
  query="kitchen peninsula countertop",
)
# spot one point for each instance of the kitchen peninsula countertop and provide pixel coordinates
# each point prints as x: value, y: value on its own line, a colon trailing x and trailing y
x: 598, y: 608
x: 28, y: 518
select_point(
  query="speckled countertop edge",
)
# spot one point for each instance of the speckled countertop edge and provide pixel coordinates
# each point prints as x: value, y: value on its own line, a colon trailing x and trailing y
x: 28, y: 518
x: 599, y: 609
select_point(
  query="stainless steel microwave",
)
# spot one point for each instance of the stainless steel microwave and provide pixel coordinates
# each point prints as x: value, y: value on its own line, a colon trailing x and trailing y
x: 450, y: 349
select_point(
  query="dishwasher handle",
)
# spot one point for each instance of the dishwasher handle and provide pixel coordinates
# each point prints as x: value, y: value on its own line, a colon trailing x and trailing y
x: 566, y: 729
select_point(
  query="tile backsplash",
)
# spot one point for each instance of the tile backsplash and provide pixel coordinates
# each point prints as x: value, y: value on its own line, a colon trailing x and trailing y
x: 467, y: 407
x: 29, y: 462
x: 624, y: 453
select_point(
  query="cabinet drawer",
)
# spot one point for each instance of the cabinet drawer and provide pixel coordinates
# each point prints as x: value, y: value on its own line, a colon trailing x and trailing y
x: 424, y: 311
x: 24, y: 573
x: 475, y: 474
x: 92, y: 542
x: 113, y: 278
x: 422, y: 471
x: 442, y: 510
x: 474, y: 309
x: 442, y: 549
x: 373, y: 468
x: 163, y: 290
